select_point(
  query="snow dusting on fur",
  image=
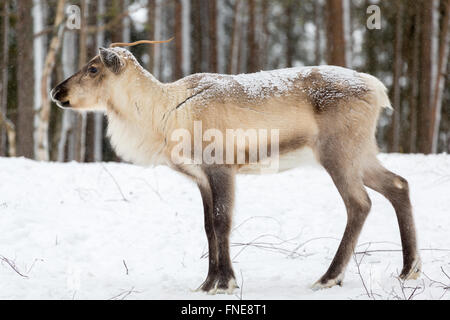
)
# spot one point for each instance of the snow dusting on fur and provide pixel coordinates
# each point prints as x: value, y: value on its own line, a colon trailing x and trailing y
x: 322, y: 85
x: 261, y: 83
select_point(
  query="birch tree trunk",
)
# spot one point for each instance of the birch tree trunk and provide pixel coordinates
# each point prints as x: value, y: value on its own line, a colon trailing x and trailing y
x: 126, y: 31
x: 440, y: 79
x: 44, y: 113
x: 80, y: 129
x: 98, y: 117
x: 186, y: 34
x: 39, y: 59
x: 243, y: 37
x: 68, y: 63
x: 92, y: 50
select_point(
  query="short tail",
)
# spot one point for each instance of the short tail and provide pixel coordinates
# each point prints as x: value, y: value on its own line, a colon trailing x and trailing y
x: 379, y: 89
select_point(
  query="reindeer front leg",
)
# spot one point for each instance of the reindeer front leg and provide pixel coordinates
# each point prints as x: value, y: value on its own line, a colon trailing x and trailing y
x: 217, y: 192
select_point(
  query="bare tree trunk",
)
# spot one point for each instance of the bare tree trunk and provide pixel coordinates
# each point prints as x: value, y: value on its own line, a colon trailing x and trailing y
x: 414, y: 78
x: 336, y: 33
x: 234, y: 45
x: 197, y: 47
x: 289, y: 29
x: 166, y: 68
x: 6, y: 126
x: 348, y: 32
x: 25, y: 80
x: 178, y: 57
x: 151, y: 5
x: 157, y: 36
x: 116, y: 7
x: 213, y: 64
x: 396, y: 120
x: 253, y: 53
x: 4, y: 78
x: 440, y: 80
x: 221, y: 37
x: 428, y: 73
x: 317, y: 38
x: 264, y: 44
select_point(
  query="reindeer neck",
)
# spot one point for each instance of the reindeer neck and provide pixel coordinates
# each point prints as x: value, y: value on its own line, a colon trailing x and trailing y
x: 135, y: 119
x: 139, y: 98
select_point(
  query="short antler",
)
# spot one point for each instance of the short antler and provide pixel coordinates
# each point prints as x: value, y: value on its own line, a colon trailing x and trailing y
x: 123, y: 44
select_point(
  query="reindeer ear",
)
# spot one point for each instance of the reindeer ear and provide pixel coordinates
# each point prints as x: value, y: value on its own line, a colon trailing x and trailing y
x: 111, y: 60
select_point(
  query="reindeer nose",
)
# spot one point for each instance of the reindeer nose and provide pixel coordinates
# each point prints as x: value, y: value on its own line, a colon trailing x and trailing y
x: 53, y: 93
x: 58, y: 94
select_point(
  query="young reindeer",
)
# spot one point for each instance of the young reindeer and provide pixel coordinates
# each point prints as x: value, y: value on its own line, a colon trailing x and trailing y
x: 328, y: 111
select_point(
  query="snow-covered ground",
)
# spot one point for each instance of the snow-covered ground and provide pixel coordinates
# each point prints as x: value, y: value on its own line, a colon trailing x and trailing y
x: 117, y: 231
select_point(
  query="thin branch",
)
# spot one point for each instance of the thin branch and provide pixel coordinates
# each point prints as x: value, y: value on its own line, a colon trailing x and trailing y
x: 359, y: 273
x: 124, y: 294
x: 115, y: 182
x: 445, y: 273
x: 255, y: 217
x: 126, y: 267
x: 13, y: 266
x: 399, y: 250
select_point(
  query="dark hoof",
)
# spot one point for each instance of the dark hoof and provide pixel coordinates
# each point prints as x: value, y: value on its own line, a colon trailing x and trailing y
x: 216, y: 285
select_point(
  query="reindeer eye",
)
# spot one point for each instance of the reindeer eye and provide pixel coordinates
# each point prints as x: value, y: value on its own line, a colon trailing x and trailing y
x: 92, y: 70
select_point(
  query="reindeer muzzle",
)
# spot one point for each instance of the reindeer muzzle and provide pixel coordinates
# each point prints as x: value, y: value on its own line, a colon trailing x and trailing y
x: 59, y: 96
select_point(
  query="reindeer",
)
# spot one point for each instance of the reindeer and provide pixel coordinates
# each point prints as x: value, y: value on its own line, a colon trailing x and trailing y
x: 328, y: 111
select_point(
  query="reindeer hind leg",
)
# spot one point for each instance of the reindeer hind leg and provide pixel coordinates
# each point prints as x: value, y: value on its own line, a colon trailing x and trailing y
x: 396, y: 189
x: 358, y: 204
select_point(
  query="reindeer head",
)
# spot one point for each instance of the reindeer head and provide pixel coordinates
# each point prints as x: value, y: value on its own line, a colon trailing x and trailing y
x: 89, y: 89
